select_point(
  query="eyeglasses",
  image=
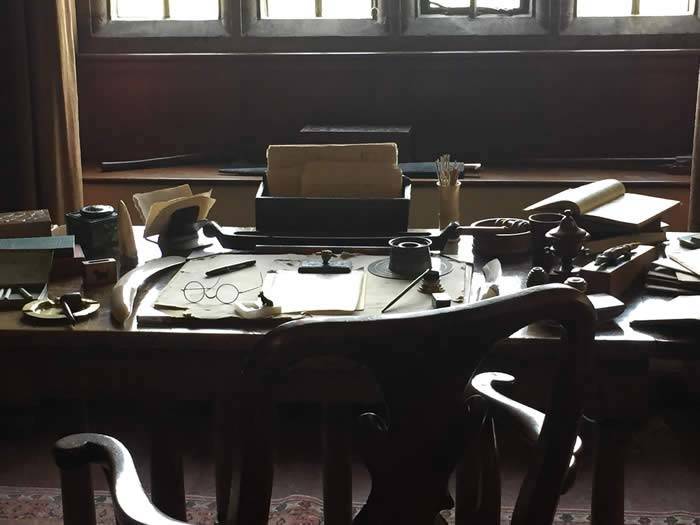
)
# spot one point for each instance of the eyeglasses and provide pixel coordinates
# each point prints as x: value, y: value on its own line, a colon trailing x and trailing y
x: 225, y: 293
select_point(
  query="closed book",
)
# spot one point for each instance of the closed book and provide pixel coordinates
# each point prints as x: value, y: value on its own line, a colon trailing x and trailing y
x: 650, y: 238
x: 60, y: 245
x: 26, y: 223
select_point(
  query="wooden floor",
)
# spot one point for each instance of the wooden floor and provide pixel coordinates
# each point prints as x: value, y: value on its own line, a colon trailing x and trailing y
x: 663, y: 470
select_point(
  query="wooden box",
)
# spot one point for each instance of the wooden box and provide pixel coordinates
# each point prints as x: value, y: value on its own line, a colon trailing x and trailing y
x: 616, y: 280
x: 315, y: 216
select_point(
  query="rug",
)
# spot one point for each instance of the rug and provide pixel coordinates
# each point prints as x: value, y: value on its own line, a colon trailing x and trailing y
x: 35, y: 506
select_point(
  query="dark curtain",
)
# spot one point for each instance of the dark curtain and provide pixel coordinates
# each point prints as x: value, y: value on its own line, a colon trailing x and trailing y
x: 694, y: 206
x: 42, y: 163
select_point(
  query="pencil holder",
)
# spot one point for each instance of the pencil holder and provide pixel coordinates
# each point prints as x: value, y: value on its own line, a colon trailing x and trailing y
x: 449, y: 203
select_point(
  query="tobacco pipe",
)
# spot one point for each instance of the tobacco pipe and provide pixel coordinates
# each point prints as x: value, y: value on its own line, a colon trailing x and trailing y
x: 248, y: 240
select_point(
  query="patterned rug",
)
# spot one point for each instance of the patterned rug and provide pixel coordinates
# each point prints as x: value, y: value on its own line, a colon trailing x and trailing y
x: 33, y: 506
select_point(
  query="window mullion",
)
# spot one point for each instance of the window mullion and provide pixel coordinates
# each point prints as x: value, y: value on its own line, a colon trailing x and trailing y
x: 319, y: 8
x: 166, y: 9
x: 635, y: 6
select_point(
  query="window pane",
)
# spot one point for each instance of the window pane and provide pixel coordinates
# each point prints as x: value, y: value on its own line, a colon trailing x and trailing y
x: 492, y: 4
x: 624, y: 7
x: 138, y: 9
x: 450, y: 3
x: 288, y: 8
x: 347, y: 9
x: 194, y: 9
x: 665, y: 7
x: 499, y: 4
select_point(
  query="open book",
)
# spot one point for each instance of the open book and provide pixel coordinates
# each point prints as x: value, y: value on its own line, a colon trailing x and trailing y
x: 606, y: 202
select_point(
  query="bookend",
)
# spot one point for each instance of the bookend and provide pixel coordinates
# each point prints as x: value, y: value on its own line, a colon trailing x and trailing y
x: 182, y: 234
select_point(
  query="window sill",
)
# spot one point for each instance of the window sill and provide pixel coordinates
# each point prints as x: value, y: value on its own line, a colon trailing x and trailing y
x: 508, y: 177
x: 161, y: 29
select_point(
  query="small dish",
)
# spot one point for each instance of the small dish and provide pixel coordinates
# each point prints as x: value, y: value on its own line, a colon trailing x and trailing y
x: 48, y: 310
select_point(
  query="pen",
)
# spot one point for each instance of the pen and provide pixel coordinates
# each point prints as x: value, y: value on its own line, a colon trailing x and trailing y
x: 67, y: 311
x: 230, y: 268
x: 406, y: 290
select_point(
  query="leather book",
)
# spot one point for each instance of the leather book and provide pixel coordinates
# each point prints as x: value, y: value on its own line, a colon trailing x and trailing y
x: 26, y: 223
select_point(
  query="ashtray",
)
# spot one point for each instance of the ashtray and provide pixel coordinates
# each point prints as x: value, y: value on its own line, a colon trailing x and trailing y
x: 49, y: 310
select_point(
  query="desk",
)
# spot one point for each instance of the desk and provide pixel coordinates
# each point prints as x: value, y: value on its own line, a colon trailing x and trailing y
x: 98, y: 359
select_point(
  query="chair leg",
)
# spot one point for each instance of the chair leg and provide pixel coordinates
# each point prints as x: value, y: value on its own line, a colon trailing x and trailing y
x: 167, y: 475
x: 227, y: 451
x: 608, y: 499
x: 337, y: 465
x: 77, y: 495
x: 478, y: 480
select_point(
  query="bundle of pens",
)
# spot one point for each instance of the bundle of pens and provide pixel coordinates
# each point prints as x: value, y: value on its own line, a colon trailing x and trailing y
x: 448, y: 172
x: 448, y: 186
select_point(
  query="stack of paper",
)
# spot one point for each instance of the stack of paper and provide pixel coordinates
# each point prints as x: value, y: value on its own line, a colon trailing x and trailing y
x: 156, y: 207
x: 334, y: 170
x: 677, y: 273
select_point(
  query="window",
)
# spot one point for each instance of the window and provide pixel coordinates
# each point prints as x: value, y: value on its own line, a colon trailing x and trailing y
x: 313, y: 18
x: 164, y: 10
x: 590, y: 8
x: 475, y: 7
x: 304, y: 9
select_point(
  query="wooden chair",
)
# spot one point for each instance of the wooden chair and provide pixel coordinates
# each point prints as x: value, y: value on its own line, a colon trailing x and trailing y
x: 421, y: 363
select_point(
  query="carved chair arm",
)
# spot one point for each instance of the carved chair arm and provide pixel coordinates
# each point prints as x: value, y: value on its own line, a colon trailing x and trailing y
x: 529, y: 420
x: 131, y: 505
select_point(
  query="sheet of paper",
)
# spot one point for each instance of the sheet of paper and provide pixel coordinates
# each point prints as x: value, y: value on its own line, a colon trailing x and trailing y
x: 194, y: 294
x: 144, y: 201
x: 690, y: 260
x: 160, y: 212
x: 311, y: 292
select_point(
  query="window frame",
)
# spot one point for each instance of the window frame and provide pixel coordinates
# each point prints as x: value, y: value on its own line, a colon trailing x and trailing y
x: 399, y: 27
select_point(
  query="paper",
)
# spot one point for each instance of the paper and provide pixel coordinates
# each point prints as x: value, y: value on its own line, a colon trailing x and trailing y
x: 690, y: 260
x: 350, y: 180
x: 681, y: 311
x: 160, y: 212
x: 194, y: 294
x: 144, y: 201
x: 310, y: 292
x: 584, y: 198
x: 286, y: 163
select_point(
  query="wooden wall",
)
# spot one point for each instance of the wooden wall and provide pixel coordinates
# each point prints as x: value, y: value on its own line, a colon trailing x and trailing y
x: 478, y: 106
x: 475, y: 105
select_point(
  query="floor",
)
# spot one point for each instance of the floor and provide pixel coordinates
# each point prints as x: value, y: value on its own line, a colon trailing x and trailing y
x: 663, y: 465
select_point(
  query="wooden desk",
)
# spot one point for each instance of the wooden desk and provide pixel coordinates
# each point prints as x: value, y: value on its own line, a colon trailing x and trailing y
x: 98, y: 359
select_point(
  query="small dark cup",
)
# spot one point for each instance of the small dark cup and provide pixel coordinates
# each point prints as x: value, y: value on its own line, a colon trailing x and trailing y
x: 540, y: 224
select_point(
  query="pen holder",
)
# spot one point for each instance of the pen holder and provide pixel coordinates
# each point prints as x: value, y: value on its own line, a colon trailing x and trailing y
x: 449, y: 203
